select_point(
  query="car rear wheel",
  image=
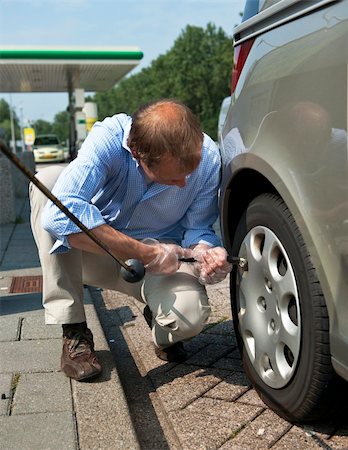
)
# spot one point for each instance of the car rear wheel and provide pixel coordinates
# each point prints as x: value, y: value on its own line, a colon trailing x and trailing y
x: 280, y: 314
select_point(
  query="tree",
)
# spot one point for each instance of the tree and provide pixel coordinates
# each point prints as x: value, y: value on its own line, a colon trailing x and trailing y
x: 5, y: 122
x: 203, y: 62
x: 196, y: 70
x: 4, y: 110
x: 61, y: 125
x: 42, y: 127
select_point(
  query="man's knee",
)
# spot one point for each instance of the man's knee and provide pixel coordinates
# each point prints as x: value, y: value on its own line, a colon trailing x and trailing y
x: 184, y: 321
x: 49, y: 175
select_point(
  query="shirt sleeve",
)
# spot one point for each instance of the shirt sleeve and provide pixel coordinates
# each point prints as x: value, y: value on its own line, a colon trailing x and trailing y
x: 78, y: 184
x: 203, y: 212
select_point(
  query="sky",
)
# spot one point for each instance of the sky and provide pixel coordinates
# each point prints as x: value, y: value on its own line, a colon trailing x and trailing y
x: 151, y: 25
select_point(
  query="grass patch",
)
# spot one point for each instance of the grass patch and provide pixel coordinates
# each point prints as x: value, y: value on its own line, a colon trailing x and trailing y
x: 14, y: 383
x: 236, y: 431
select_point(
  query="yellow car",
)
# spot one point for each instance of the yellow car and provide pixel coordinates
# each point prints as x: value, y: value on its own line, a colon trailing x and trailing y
x: 47, y: 148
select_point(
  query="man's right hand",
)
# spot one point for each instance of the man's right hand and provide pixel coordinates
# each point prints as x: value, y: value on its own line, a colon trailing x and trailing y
x: 212, y: 265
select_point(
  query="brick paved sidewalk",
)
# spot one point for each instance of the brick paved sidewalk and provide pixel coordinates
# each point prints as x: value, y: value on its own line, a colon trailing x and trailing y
x: 207, y: 402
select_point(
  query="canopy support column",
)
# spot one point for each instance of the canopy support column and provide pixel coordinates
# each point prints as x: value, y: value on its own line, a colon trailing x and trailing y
x: 72, y: 129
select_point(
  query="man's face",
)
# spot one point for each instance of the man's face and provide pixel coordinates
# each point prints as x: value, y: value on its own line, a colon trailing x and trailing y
x: 167, y: 172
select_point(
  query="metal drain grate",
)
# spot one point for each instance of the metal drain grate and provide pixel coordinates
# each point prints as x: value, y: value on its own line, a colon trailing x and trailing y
x: 20, y: 285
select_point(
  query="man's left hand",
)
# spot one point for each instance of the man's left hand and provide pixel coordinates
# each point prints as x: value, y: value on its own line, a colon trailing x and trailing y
x: 212, y: 265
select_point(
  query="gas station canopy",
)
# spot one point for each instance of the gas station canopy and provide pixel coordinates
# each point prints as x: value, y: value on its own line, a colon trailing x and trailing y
x: 64, y: 69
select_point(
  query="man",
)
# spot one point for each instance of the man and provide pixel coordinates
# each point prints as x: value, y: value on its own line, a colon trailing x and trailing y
x: 147, y: 187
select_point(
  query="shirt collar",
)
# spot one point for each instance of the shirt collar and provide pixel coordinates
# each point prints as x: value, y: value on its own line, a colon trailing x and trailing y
x: 126, y: 134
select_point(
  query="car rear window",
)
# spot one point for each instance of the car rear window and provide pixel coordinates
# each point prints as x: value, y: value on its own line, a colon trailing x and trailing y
x: 251, y: 9
x: 46, y: 140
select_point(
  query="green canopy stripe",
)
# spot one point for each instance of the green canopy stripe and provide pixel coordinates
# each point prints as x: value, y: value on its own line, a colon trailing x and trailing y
x: 72, y: 54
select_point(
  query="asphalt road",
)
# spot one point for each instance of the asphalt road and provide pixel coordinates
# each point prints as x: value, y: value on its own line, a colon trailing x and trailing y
x: 41, y: 166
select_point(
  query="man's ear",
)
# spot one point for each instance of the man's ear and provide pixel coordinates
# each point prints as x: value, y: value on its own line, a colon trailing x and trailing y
x: 135, y: 154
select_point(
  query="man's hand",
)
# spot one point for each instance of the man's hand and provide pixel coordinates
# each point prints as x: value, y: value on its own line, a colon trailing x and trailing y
x: 211, y: 266
x: 166, y: 261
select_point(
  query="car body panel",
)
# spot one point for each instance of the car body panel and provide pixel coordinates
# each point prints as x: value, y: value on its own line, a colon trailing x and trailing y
x: 288, y: 126
x: 225, y: 104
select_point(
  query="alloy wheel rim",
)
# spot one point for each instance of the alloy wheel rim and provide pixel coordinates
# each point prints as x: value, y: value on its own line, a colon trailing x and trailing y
x: 269, y: 309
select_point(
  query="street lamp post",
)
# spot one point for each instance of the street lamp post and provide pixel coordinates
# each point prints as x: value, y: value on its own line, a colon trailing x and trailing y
x: 13, y: 136
x: 21, y: 127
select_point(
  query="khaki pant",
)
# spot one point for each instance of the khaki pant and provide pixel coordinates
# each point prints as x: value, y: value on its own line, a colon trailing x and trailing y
x: 178, y: 302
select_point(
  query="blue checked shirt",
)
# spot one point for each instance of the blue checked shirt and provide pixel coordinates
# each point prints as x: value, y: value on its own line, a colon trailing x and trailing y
x: 106, y: 185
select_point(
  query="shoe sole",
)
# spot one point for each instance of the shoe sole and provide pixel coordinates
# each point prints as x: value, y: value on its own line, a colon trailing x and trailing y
x: 88, y: 377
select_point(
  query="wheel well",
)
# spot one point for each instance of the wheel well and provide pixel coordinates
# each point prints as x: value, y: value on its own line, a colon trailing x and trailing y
x: 244, y: 187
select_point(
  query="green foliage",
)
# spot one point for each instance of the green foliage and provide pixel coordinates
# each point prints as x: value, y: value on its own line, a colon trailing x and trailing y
x: 61, y: 126
x: 4, y: 110
x: 196, y: 70
x: 5, y: 122
x: 42, y: 127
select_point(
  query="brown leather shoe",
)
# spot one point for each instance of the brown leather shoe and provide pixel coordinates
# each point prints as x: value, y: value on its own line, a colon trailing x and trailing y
x: 174, y: 353
x: 78, y: 359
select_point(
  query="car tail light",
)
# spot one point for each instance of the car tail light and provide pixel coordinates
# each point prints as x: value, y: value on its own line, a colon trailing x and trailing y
x: 241, y: 53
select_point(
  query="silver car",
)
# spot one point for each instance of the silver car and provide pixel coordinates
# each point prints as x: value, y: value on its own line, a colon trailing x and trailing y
x: 284, y: 202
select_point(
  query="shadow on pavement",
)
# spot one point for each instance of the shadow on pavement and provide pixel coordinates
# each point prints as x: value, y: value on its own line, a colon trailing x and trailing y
x: 13, y: 304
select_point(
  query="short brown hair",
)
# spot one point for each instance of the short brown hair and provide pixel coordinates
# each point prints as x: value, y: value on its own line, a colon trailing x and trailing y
x: 166, y: 127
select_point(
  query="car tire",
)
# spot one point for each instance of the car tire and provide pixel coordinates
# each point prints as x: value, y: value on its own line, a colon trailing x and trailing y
x: 280, y: 314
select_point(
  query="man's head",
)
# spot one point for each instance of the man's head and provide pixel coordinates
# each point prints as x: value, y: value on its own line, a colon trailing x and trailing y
x: 166, y: 135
